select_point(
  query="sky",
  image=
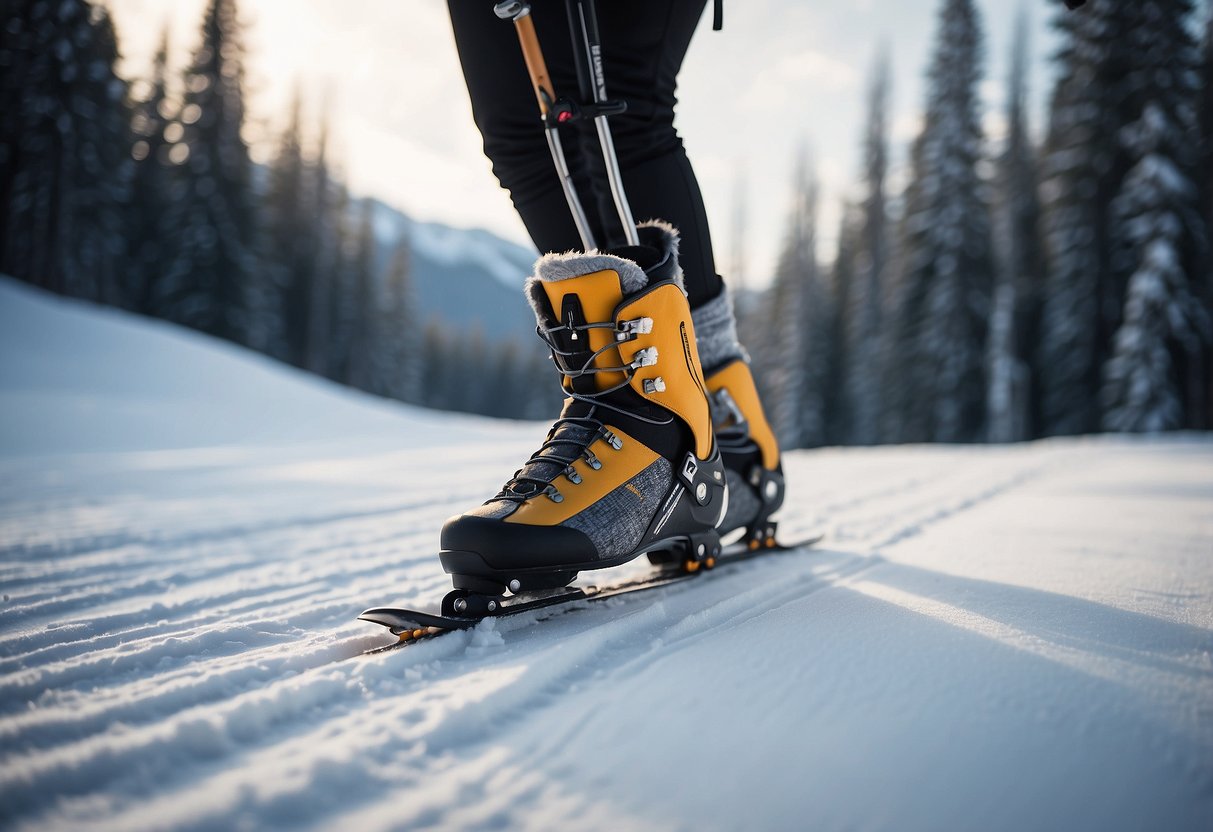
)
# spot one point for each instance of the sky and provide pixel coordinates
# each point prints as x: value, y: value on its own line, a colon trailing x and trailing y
x: 784, y: 76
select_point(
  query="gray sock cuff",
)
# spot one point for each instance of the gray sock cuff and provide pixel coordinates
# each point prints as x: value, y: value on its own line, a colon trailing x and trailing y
x: 716, y: 333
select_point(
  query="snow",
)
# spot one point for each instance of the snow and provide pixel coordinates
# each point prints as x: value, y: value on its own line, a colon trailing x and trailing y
x: 1004, y: 637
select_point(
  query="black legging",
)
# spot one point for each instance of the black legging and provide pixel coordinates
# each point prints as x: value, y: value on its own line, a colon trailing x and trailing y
x: 643, y: 44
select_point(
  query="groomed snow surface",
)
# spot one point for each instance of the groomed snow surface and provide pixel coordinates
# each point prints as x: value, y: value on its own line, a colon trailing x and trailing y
x: 987, y: 638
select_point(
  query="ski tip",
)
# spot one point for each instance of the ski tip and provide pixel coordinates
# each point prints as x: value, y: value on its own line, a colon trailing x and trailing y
x: 379, y: 615
x: 401, y: 619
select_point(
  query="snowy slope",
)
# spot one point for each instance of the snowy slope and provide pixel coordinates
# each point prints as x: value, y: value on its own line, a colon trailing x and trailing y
x: 988, y: 638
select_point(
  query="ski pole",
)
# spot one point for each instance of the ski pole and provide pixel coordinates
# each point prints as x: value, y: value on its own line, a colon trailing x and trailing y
x: 519, y: 11
x: 583, y: 20
x: 554, y: 111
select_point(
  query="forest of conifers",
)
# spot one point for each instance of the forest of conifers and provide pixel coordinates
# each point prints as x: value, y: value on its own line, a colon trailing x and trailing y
x: 1015, y: 287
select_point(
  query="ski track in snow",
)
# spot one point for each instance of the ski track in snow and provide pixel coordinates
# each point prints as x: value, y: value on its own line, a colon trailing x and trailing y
x: 996, y: 638
x: 192, y: 680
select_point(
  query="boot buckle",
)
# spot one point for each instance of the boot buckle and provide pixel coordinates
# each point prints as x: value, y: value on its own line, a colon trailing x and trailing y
x: 610, y: 438
x: 627, y: 330
x: 646, y: 357
x: 725, y: 402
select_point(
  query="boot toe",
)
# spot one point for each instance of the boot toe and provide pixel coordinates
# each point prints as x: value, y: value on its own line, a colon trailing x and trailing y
x: 504, y: 546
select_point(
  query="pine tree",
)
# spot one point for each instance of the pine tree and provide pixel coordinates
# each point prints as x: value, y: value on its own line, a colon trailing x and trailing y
x: 211, y: 285
x: 865, y: 288
x: 1142, y: 386
x: 329, y: 206
x: 1206, y: 134
x: 1125, y: 98
x: 840, y: 407
x: 362, y: 286
x: 1122, y: 119
x: 433, y: 366
x: 944, y: 291
x: 501, y: 394
x: 1157, y: 226
x: 1015, y: 316
x: 335, y: 311
x: 1077, y: 185
x: 290, y: 239
x: 64, y: 148
x: 149, y: 236
x: 345, y: 304
x: 1204, y: 273
x: 542, y: 394
x: 795, y: 358
x: 396, y: 361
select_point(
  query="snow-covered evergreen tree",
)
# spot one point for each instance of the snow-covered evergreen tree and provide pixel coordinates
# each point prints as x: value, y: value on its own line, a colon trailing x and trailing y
x: 1142, y: 384
x: 1204, y: 273
x: 795, y: 358
x: 214, y: 282
x: 842, y: 281
x: 1077, y: 185
x: 1016, y: 311
x: 1123, y: 119
x: 64, y: 148
x: 1159, y: 234
x: 945, y: 287
x: 863, y: 305
x: 1206, y: 130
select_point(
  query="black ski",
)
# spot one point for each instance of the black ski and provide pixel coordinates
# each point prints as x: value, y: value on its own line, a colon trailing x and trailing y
x: 410, y: 625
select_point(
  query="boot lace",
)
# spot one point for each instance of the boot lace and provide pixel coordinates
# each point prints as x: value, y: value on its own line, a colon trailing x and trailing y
x: 570, y: 437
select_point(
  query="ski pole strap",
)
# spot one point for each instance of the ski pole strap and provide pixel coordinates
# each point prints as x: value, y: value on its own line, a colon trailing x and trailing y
x: 717, y: 15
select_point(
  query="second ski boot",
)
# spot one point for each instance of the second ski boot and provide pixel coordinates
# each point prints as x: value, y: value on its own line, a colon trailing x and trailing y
x: 747, y: 443
x: 631, y: 466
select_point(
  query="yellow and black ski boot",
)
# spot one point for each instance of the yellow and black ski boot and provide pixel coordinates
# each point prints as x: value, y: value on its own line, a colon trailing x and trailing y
x: 747, y: 442
x: 631, y: 466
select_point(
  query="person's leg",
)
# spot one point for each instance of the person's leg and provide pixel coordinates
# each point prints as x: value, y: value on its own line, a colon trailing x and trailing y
x: 644, y: 43
x: 505, y: 111
x: 641, y: 64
